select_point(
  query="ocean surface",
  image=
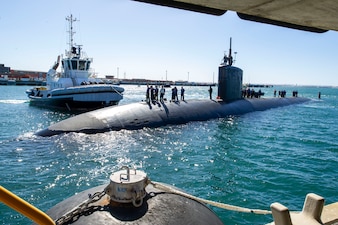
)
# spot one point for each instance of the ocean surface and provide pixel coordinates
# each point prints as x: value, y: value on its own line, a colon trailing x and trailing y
x: 253, y: 160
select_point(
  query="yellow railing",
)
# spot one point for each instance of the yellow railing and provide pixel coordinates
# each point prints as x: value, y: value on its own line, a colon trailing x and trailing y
x: 23, y: 207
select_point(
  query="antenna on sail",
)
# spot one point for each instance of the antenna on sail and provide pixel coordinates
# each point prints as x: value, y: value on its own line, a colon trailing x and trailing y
x: 230, y: 61
x: 72, y: 49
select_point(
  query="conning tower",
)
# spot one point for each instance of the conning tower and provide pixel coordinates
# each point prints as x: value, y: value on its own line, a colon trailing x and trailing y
x: 230, y: 79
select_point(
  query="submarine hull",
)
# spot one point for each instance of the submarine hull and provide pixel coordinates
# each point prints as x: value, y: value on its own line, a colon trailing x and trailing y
x: 139, y: 115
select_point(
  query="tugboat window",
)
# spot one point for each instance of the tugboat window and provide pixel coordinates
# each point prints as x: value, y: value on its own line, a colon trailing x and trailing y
x: 67, y: 65
x: 88, y: 66
x: 82, y: 65
x: 74, y: 65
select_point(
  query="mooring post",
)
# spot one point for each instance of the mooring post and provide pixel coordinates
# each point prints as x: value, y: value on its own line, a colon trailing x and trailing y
x: 310, y: 215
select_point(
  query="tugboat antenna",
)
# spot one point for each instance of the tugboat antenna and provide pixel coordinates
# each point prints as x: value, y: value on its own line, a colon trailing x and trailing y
x: 71, y: 32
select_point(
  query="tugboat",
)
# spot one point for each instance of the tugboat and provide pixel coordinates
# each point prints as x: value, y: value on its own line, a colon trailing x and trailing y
x: 75, y: 88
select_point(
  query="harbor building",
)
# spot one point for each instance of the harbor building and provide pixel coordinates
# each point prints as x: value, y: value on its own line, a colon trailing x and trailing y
x: 9, y: 76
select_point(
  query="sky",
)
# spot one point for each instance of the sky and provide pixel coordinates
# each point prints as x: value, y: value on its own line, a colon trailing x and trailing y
x: 130, y: 39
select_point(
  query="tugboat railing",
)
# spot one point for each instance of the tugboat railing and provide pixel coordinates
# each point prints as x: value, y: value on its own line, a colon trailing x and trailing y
x: 23, y: 207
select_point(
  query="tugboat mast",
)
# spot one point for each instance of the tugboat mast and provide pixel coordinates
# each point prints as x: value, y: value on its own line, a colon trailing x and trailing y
x: 71, y: 33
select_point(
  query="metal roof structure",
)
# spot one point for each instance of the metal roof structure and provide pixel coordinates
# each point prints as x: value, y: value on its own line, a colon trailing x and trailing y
x: 309, y: 15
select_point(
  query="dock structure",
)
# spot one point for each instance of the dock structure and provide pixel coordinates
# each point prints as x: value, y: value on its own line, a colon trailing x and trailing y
x: 9, y: 76
x: 314, y: 213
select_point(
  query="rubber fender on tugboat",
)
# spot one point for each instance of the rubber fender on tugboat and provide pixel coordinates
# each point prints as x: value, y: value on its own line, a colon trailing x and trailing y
x: 158, y: 207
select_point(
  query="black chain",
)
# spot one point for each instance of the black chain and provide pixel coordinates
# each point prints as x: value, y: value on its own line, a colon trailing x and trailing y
x: 80, y: 208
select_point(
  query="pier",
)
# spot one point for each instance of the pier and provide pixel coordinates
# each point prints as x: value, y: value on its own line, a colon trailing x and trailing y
x: 9, y: 76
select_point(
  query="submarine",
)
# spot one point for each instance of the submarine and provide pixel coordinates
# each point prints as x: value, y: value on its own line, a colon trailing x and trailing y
x: 154, y: 114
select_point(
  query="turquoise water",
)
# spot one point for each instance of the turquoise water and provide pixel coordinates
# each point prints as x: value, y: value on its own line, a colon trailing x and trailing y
x: 250, y: 161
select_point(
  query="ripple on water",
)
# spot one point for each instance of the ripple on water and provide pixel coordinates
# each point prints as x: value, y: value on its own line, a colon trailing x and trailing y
x: 250, y: 160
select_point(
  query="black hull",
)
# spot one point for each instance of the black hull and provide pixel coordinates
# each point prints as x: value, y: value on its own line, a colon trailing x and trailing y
x: 140, y: 115
x: 69, y: 104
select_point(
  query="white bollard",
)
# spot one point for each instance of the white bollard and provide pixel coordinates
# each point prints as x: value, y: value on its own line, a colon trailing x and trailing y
x: 310, y: 214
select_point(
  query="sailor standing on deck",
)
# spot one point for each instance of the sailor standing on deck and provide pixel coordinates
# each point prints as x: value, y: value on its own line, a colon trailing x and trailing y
x: 175, y: 94
x: 210, y: 92
x: 156, y: 93
x: 182, y: 93
x: 162, y: 92
x: 147, y: 93
x: 152, y: 93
